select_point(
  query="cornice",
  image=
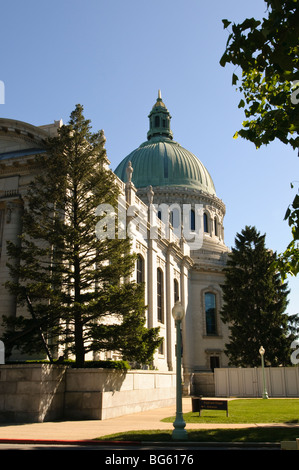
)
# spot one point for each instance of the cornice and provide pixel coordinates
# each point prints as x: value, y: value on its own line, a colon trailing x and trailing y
x: 22, y: 165
x: 22, y: 130
x: 183, y: 195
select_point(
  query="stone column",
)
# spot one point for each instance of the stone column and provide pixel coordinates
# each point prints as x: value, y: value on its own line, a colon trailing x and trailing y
x: 151, y: 274
x: 169, y: 318
x: 150, y: 284
x: 184, y: 286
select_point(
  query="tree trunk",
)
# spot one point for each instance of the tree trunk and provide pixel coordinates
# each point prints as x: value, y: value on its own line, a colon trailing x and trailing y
x: 79, y: 343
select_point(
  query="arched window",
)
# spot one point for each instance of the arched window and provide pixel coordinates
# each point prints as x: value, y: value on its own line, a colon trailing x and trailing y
x: 176, y: 290
x: 192, y: 220
x: 160, y: 293
x: 157, y: 121
x: 139, y: 269
x: 206, y: 223
x: 210, y: 312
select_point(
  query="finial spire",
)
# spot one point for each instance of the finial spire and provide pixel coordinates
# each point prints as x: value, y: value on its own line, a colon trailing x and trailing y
x: 159, y: 95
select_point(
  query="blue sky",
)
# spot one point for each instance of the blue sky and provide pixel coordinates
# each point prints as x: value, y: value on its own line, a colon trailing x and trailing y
x: 112, y: 57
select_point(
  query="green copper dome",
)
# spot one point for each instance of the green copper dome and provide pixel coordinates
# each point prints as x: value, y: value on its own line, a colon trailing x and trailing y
x: 163, y: 162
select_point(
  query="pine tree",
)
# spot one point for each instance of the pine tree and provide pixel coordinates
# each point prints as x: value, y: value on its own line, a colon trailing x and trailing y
x: 71, y: 281
x: 255, y: 301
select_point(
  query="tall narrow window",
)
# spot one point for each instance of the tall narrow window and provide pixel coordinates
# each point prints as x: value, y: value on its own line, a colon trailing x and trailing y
x: 205, y: 223
x: 210, y: 311
x: 192, y: 220
x: 216, y: 227
x: 176, y: 290
x: 139, y: 269
x: 157, y: 121
x: 160, y: 289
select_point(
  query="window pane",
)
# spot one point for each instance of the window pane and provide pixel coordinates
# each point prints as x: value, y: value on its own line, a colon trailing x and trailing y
x: 192, y: 220
x: 205, y: 223
x: 216, y: 228
x: 176, y: 291
x: 140, y: 269
x: 210, y: 310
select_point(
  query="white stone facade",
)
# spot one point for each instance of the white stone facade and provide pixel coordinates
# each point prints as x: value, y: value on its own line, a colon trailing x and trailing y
x: 169, y: 268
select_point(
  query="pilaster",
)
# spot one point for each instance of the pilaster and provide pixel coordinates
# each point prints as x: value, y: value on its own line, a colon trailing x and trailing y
x: 11, y: 230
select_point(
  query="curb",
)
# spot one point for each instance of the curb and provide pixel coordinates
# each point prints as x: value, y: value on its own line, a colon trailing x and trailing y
x: 268, y: 445
x: 66, y: 442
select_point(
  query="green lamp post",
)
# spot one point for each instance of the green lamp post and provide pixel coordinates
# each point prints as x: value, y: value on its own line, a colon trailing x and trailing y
x: 179, y: 432
x: 262, y: 352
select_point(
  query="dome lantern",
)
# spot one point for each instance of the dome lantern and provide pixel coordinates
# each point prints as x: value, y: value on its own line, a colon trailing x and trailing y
x: 159, y: 120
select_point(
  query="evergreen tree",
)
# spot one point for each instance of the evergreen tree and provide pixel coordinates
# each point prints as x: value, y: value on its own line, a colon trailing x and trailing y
x: 73, y: 282
x: 255, y: 300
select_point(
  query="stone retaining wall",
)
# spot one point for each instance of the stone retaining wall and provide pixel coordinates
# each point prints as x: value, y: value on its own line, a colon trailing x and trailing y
x: 31, y: 393
x: 43, y: 392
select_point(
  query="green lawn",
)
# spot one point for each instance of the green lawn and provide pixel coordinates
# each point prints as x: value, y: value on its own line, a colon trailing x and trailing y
x: 255, y: 434
x: 284, y: 411
x: 249, y: 411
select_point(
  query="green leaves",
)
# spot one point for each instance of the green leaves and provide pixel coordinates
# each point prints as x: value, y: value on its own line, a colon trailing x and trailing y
x: 267, y: 53
x: 288, y: 261
x: 226, y: 23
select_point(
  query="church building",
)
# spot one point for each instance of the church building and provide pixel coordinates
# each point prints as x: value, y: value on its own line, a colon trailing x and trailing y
x: 179, y: 239
x: 176, y: 177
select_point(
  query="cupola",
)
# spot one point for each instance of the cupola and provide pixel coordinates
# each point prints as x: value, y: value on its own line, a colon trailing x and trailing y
x: 159, y: 120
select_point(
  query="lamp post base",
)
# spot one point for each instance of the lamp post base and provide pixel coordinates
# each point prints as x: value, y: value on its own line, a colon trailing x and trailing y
x: 179, y: 433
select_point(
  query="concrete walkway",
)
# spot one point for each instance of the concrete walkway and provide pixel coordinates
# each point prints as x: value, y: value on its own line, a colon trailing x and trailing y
x: 87, y: 430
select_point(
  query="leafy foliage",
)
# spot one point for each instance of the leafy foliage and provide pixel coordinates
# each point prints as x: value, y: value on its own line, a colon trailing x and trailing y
x: 288, y: 261
x: 267, y: 53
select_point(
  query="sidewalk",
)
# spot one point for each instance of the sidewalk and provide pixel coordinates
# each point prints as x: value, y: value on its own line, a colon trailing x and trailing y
x: 87, y: 430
